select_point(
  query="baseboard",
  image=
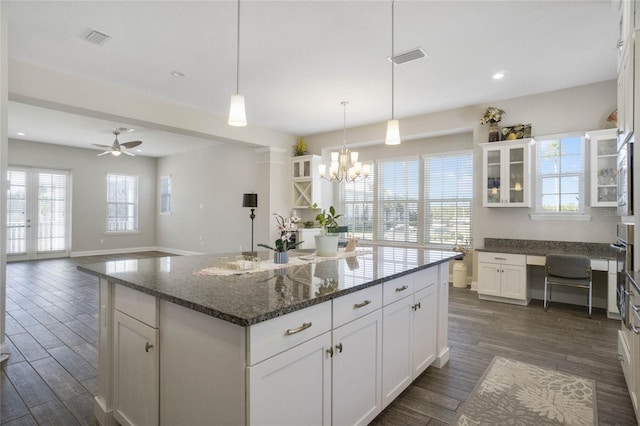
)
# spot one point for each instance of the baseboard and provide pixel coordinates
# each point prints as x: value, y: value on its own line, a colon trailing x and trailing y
x: 129, y: 250
x: 103, y: 416
x: 441, y: 359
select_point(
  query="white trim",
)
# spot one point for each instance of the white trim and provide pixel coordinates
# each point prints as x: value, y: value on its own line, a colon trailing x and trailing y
x: 575, y: 217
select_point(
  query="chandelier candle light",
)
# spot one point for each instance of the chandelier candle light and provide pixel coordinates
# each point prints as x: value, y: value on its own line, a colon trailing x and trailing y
x: 344, y: 163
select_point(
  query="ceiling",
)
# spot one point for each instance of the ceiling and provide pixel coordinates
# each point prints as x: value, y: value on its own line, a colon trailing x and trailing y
x: 300, y: 59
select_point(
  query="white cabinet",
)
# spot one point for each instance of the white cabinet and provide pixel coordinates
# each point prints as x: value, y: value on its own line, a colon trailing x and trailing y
x: 307, y: 185
x: 135, y: 358
x: 307, y: 236
x: 410, y: 330
x: 626, y: 91
x: 604, y: 180
x: 506, y: 173
x: 502, y: 277
x: 294, y: 387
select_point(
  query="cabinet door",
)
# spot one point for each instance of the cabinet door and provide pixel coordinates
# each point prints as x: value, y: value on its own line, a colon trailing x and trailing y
x: 135, y: 367
x: 516, y: 193
x: 489, y: 279
x: 396, y: 348
x: 294, y: 387
x: 604, y: 180
x: 425, y: 320
x: 357, y: 365
x: 513, y: 282
x: 492, y: 161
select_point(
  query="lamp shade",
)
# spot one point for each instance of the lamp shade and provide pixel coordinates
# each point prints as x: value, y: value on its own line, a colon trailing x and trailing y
x: 250, y: 200
x: 393, y: 133
x: 237, y: 116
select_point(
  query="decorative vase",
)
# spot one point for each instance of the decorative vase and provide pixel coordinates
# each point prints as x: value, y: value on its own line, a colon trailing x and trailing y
x: 281, y: 257
x: 494, y: 131
x: 327, y: 245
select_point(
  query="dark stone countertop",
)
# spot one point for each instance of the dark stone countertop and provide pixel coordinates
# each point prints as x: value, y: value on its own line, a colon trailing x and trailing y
x: 542, y: 247
x: 251, y: 298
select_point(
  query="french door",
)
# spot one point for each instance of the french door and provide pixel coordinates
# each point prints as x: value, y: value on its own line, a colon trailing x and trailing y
x: 37, y: 213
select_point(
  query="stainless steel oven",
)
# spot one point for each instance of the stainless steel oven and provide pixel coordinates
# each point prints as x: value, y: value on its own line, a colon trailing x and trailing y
x: 624, y: 249
x: 625, y: 175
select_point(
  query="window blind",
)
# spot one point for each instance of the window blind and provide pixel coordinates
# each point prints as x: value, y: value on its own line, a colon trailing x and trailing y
x: 122, y: 203
x: 398, y: 193
x: 448, y: 199
x: 356, y: 206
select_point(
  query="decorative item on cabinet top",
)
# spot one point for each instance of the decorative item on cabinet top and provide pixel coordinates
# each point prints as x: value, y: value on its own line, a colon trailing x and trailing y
x: 493, y: 116
x: 518, y: 131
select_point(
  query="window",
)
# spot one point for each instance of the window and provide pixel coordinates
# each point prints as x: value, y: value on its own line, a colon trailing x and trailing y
x: 448, y: 192
x: 560, y: 175
x: 356, y: 207
x: 398, y: 195
x: 122, y: 203
x: 165, y: 194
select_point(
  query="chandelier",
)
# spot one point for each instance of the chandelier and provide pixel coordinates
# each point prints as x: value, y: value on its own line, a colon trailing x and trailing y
x: 344, y: 163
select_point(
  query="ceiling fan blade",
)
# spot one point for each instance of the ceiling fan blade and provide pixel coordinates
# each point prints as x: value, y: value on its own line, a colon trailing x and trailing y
x: 131, y: 144
x: 124, y: 151
x: 104, y: 153
x: 101, y: 146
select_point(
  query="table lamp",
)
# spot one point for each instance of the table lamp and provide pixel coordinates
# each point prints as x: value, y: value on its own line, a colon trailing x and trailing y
x: 250, y: 200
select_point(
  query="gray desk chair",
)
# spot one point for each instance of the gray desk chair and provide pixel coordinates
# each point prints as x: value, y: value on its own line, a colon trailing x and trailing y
x: 568, y: 270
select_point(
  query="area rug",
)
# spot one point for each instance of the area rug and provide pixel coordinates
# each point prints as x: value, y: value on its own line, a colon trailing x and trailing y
x: 516, y: 393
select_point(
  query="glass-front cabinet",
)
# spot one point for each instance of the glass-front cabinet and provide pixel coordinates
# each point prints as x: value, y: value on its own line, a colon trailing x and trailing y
x: 604, y: 179
x: 506, y: 173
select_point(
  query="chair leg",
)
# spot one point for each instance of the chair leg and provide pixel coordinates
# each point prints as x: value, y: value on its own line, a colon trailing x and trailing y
x: 544, y: 303
x: 590, y: 294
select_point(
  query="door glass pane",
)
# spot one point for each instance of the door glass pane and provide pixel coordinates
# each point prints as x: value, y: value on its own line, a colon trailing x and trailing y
x: 51, y: 212
x: 17, y: 212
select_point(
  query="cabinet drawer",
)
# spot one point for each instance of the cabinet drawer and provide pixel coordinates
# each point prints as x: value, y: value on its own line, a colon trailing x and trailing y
x: 136, y: 304
x: 502, y: 258
x: 355, y: 305
x: 271, y: 337
x: 397, y: 289
x: 425, y: 278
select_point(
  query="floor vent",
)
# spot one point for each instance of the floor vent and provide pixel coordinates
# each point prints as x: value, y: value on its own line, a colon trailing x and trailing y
x: 408, y: 56
x: 97, y: 37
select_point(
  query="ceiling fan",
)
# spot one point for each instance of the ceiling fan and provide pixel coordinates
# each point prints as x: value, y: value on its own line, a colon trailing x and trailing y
x: 118, y: 148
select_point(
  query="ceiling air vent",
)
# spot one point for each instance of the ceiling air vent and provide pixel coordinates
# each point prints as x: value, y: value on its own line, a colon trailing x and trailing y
x: 408, y: 56
x: 96, y: 37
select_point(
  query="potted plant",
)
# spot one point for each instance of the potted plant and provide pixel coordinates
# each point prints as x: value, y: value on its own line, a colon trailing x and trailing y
x: 283, y: 244
x: 492, y: 116
x: 326, y: 242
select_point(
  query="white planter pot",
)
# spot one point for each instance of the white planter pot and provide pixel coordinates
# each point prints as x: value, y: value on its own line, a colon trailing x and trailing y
x: 327, y: 245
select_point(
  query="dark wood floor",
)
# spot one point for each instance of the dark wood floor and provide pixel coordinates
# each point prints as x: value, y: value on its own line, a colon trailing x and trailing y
x: 51, y: 325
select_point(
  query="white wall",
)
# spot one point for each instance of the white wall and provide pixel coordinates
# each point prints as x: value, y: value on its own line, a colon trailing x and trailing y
x: 206, y: 202
x: 581, y: 108
x: 88, y: 178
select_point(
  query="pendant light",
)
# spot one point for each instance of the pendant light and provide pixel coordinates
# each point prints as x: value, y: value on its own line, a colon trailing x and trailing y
x: 237, y: 115
x: 393, y: 126
x: 344, y: 163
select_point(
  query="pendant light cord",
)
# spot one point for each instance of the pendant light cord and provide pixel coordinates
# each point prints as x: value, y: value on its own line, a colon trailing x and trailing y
x: 238, y: 52
x: 344, y: 126
x: 392, y: 54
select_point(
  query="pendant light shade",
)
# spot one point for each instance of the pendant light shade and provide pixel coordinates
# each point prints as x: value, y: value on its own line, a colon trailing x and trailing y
x: 393, y: 133
x: 393, y: 126
x: 237, y: 115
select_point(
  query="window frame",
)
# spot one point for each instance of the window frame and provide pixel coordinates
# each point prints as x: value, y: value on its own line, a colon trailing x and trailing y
x: 130, y: 219
x: 165, y: 195
x: 366, y: 231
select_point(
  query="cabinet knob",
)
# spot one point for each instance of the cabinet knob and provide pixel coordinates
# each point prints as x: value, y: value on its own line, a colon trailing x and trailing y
x: 148, y: 346
x: 339, y: 348
x: 330, y: 352
x: 619, y: 44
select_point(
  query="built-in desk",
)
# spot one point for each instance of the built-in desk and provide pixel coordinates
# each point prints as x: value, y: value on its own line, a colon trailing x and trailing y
x: 503, y: 274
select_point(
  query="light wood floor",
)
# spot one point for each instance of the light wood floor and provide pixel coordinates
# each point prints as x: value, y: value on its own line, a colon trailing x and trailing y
x: 51, y: 325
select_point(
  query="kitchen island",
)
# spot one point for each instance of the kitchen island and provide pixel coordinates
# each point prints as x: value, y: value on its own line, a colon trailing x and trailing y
x: 327, y: 342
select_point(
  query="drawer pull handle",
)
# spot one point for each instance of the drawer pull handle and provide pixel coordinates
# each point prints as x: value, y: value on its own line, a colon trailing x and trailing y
x: 148, y: 346
x: 500, y: 258
x: 303, y: 327
x: 339, y: 348
x: 634, y: 307
x: 403, y: 288
x: 361, y: 305
x: 635, y: 329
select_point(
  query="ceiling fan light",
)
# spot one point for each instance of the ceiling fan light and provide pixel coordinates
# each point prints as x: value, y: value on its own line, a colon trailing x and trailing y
x: 116, y: 153
x: 393, y: 133
x: 237, y: 116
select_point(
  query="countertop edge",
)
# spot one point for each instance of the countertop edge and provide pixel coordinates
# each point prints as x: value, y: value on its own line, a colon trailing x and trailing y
x: 247, y: 322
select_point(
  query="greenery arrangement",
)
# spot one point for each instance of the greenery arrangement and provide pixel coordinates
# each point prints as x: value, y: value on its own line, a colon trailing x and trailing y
x: 300, y: 148
x: 286, y: 227
x: 492, y: 115
x: 327, y: 220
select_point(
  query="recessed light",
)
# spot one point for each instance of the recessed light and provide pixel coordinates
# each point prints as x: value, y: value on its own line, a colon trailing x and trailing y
x: 20, y: 134
x: 498, y: 75
x: 177, y: 74
x: 138, y: 150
